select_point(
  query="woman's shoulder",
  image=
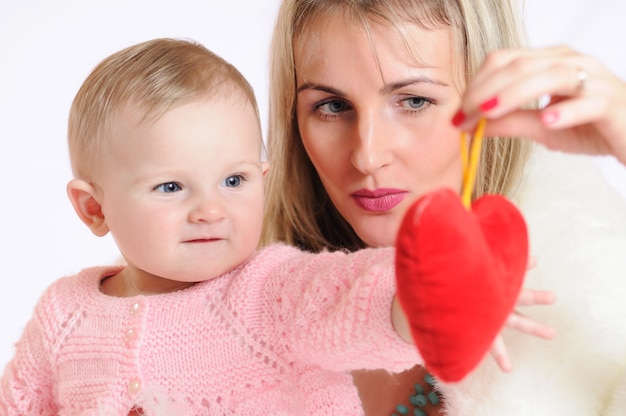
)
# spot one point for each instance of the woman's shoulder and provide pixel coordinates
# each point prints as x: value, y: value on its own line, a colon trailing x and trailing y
x: 555, y: 180
x: 576, y: 220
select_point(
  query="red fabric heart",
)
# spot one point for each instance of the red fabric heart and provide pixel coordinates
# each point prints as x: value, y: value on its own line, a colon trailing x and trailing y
x: 459, y: 274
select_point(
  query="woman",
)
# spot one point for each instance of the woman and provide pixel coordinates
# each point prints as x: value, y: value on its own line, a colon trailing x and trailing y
x: 362, y: 98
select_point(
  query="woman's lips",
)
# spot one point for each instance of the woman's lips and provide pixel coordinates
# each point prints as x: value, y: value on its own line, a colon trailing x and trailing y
x: 378, y: 200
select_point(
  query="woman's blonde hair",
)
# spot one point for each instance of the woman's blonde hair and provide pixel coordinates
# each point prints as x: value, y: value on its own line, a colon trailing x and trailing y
x: 298, y: 209
x: 152, y: 77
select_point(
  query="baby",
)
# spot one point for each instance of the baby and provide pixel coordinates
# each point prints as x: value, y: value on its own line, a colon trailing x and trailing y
x: 165, y: 145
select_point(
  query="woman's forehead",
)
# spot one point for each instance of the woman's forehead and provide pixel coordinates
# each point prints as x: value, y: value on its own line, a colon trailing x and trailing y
x: 377, y: 42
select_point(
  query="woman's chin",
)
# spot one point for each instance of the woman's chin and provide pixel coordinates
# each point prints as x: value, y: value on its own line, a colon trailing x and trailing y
x: 379, y: 236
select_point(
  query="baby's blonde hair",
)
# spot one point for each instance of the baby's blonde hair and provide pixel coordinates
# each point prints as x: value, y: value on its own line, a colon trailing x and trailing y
x: 298, y: 209
x: 152, y: 77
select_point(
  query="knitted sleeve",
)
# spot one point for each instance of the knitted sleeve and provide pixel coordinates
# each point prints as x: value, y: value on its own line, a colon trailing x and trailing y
x: 334, y: 310
x: 27, y: 382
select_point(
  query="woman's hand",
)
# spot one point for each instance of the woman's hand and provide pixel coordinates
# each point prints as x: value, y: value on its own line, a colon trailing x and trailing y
x: 524, y: 324
x: 583, y: 103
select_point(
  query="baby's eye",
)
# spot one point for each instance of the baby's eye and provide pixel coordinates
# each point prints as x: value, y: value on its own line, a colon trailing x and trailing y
x: 168, y: 187
x: 233, y: 181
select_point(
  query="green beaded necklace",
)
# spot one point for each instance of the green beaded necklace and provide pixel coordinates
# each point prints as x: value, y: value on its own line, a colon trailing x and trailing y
x: 419, y: 399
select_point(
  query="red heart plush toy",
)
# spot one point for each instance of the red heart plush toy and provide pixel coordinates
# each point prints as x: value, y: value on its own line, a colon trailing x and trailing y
x: 459, y: 273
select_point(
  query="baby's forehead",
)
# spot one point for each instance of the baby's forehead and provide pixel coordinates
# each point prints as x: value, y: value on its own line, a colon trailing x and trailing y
x: 141, y: 116
x: 141, y: 111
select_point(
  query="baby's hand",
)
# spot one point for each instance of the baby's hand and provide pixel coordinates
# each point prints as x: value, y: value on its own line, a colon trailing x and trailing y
x: 527, y: 297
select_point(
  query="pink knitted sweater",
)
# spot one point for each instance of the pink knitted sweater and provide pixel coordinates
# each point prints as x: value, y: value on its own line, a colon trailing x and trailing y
x: 276, y: 336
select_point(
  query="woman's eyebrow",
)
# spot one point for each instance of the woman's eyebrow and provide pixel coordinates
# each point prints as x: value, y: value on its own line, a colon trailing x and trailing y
x: 394, y: 86
x: 386, y: 89
x: 319, y: 87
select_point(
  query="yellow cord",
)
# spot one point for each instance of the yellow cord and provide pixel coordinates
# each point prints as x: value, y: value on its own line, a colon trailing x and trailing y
x: 464, y: 155
x: 470, y: 165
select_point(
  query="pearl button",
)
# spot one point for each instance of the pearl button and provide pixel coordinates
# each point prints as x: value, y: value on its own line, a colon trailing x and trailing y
x: 130, y: 335
x: 134, y: 386
x: 135, y: 308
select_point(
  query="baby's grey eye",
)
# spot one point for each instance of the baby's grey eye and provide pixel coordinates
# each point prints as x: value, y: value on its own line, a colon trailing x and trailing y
x: 168, y: 187
x: 233, y: 181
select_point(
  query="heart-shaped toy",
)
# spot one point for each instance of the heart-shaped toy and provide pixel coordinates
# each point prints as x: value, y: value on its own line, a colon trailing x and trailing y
x: 459, y: 273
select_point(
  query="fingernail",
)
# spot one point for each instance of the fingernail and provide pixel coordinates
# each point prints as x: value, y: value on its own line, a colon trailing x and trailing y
x: 458, y: 118
x: 489, y: 104
x: 549, y: 117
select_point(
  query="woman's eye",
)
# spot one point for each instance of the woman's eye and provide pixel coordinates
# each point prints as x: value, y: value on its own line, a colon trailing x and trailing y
x: 415, y: 103
x: 168, y: 187
x: 333, y: 107
x: 233, y: 181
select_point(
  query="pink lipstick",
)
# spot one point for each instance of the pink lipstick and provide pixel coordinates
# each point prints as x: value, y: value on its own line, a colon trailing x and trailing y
x: 378, y: 200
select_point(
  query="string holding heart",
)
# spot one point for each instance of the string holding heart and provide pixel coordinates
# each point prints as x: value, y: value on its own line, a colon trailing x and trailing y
x: 459, y: 270
x: 469, y: 161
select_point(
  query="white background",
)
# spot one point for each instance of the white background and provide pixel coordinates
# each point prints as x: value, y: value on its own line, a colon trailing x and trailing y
x: 48, y: 48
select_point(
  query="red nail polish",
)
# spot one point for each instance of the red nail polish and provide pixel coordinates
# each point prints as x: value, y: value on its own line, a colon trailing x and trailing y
x: 489, y: 104
x: 458, y: 118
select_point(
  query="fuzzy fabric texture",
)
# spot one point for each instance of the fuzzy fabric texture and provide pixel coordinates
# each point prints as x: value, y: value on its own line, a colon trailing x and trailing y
x: 577, y: 231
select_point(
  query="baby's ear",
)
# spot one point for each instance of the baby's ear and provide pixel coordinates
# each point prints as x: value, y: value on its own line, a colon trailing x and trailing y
x: 265, y: 166
x: 85, y: 202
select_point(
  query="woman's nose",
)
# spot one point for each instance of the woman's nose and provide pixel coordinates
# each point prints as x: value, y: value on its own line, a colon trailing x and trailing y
x: 372, y: 145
